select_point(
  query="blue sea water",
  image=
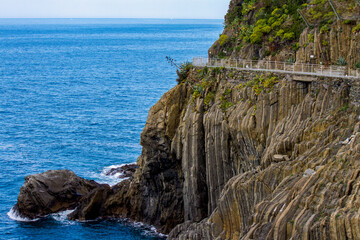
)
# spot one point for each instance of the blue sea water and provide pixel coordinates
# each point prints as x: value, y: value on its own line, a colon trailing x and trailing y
x: 74, y: 94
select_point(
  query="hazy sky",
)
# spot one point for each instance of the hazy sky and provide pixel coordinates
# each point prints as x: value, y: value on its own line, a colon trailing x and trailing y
x: 209, y: 9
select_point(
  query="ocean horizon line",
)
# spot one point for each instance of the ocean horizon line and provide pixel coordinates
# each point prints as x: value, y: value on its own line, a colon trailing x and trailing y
x: 69, y: 18
x: 70, y: 21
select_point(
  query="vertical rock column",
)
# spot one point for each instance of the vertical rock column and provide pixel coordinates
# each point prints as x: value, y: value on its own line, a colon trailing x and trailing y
x: 219, y: 168
x: 193, y: 163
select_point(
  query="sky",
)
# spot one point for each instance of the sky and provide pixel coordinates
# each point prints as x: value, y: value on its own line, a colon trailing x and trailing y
x: 184, y: 9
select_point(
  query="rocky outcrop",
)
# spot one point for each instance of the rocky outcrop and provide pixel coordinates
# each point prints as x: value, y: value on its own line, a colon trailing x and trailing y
x: 154, y: 193
x: 276, y: 158
x: 124, y: 171
x: 339, y: 42
x: 51, y: 192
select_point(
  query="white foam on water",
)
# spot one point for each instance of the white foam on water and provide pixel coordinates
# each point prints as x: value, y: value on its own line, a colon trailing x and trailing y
x: 14, y: 215
x: 62, y: 217
x: 148, y: 229
x: 109, y: 179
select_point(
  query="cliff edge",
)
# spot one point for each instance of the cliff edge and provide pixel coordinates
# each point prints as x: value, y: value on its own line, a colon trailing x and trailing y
x: 230, y: 154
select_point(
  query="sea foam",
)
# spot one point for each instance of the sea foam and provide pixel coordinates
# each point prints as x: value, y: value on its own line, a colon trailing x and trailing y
x: 14, y: 215
x: 109, y: 179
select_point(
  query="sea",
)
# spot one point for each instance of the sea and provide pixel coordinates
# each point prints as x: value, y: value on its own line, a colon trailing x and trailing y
x: 75, y: 94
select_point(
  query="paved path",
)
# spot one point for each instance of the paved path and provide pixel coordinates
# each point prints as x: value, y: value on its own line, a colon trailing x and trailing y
x: 316, y: 70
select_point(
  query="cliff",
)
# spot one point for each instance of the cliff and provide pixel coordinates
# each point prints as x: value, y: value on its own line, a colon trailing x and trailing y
x: 281, y: 158
x: 231, y: 154
x: 242, y: 155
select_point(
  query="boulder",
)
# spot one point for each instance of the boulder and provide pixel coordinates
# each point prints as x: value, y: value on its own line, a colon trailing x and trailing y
x: 50, y: 192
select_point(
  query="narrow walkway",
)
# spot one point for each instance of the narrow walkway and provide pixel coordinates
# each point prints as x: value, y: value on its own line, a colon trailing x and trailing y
x: 280, y: 67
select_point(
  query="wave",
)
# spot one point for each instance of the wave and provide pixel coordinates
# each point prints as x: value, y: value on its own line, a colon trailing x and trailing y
x: 112, y: 180
x: 148, y: 230
x: 62, y: 217
x: 14, y: 215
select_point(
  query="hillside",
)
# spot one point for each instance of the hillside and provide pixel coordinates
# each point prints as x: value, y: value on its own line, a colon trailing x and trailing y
x: 291, y: 31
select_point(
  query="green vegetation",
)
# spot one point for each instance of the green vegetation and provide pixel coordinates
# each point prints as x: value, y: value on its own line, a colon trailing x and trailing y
x: 357, y: 65
x: 203, y: 71
x: 311, y: 37
x: 295, y: 46
x: 271, y: 24
x: 318, y: 12
x: 344, y: 108
x: 209, y: 98
x: 225, y: 100
x: 276, y: 22
x: 261, y: 83
x: 183, y: 71
x: 325, y: 29
x: 356, y: 29
x: 197, y: 90
x: 223, y: 39
x: 341, y: 61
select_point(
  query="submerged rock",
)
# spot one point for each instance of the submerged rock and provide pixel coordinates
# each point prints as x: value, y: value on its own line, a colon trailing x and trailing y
x: 51, y: 192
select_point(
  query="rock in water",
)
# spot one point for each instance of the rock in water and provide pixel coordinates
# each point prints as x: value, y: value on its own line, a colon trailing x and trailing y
x: 51, y: 192
x: 123, y: 171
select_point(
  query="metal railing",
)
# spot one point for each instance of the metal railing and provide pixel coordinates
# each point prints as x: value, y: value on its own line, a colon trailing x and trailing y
x: 280, y: 67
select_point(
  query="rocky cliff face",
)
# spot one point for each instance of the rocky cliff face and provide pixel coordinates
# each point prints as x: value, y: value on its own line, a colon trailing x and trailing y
x: 154, y: 193
x: 242, y: 155
x: 339, y: 42
x: 279, y: 163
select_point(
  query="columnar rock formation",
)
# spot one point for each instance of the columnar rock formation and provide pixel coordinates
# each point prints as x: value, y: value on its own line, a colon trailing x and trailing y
x: 247, y: 155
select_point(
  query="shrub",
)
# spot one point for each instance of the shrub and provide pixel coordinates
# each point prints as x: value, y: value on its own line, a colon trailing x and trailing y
x: 280, y: 33
x: 325, y: 29
x: 357, y: 65
x: 184, y: 70
x: 208, y: 98
x: 223, y: 39
x: 356, y: 29
x: 196, y: 92
x: 341, y: 61
x: 325, y: 43
x: 225, y: 103
x: 311, y: 37
x: 288, y: 36
x: 260, y: 83
x: 295, y: 46
x: 256, y: 37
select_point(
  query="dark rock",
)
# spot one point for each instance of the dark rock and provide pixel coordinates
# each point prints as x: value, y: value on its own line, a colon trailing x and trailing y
x: 92, y: 205
x: 51, y: 192
x: 124, y: 171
